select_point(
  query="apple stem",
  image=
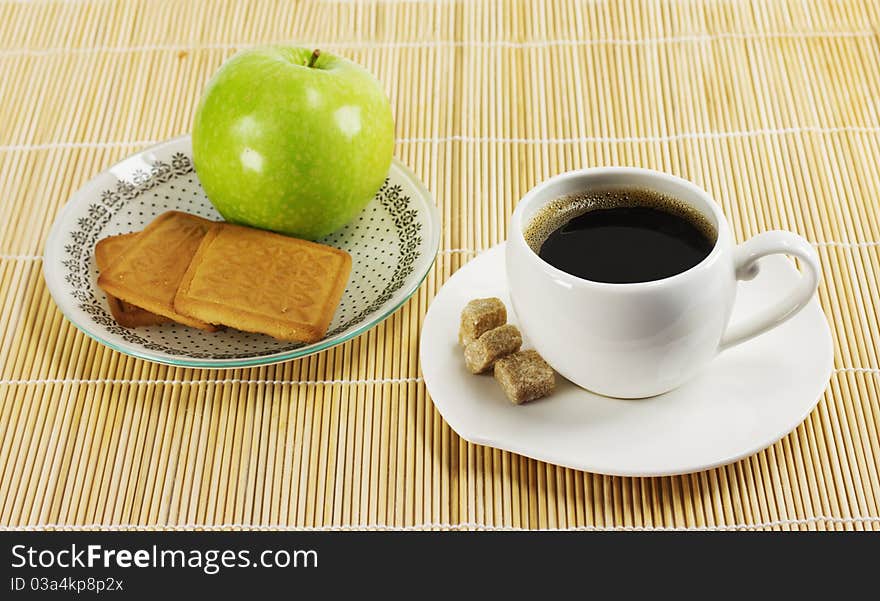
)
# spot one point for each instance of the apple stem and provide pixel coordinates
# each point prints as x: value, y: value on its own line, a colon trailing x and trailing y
x: 314, y: 58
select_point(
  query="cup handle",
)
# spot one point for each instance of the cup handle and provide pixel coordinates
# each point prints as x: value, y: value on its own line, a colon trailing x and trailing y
x: 745, y: 259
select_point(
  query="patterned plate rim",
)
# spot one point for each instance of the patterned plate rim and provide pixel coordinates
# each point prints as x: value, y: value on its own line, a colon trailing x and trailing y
x: 54, y: 279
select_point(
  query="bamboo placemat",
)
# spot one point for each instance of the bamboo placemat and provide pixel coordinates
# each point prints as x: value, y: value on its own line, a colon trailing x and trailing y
x: 771, y: 105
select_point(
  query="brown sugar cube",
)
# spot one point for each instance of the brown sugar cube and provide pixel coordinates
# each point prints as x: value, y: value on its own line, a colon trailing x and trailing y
x: 479, y: 316
x: 481, y: 354
x: 524, y: 376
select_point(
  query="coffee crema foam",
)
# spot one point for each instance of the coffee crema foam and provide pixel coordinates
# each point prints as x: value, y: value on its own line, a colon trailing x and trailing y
x: 560, y: 211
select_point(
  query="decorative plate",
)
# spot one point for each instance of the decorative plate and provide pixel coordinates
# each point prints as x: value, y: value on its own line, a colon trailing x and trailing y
x: 393, y: 244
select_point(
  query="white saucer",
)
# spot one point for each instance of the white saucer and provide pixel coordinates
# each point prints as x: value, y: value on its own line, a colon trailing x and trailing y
x: 748, y: 398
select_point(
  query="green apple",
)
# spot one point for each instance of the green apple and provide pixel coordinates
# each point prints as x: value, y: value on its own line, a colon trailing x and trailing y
x: 292, y: 140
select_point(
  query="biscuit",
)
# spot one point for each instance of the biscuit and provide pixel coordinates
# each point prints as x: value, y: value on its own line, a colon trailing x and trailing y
x: 478, y: 316
x: 149, y: 271
x: 258, y: 281
x: 481, y: 354
x: 525, y: 376
x: 127, y: 315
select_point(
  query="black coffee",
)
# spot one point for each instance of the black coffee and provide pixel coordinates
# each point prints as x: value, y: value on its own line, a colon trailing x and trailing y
x: 621, y: 235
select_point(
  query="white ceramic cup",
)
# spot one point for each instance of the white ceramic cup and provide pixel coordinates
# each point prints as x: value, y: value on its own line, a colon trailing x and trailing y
x: 643, y: 339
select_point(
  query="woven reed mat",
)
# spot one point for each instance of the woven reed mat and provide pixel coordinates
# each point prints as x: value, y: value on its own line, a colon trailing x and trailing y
x: 771, y: 105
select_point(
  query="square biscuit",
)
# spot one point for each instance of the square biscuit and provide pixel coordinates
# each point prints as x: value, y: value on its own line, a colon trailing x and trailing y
x: 259, y: 281
x: 148, y: 273
x: 107, y: 250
